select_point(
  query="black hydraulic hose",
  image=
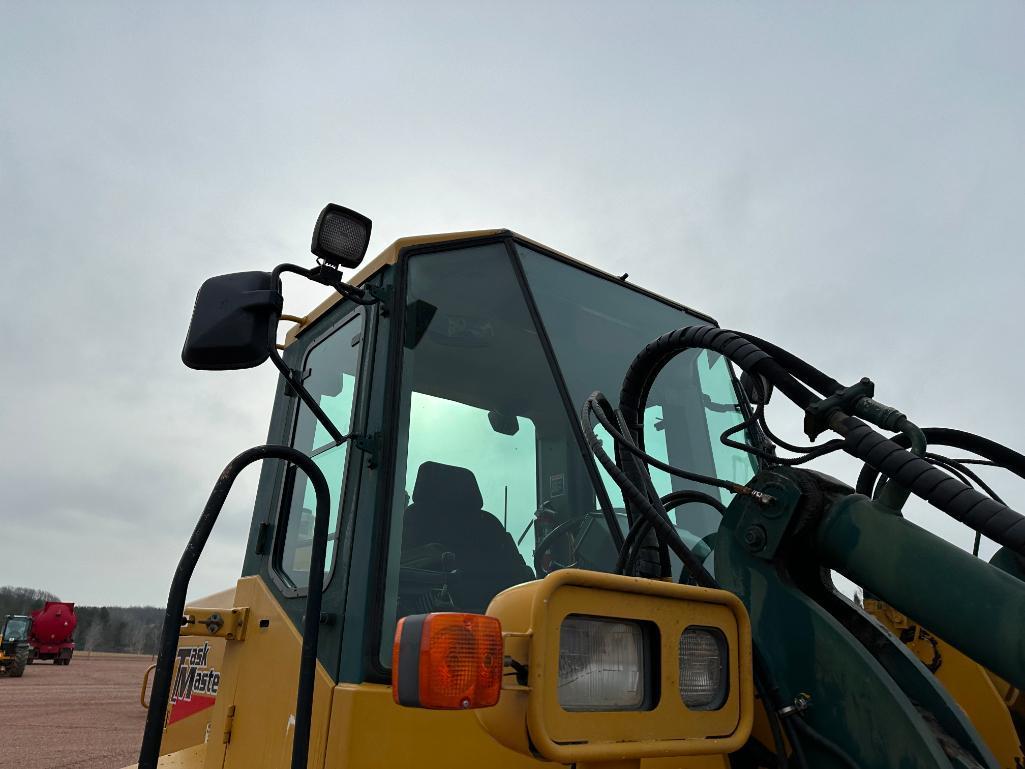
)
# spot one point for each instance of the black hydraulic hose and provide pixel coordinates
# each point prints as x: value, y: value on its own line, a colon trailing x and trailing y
x: 782, y: 762
x: 674, y: 499
x: 149, y: 754
x: 822, y: 383
x: 650, y: 543
x: 670, y: 502
x: 626, y: 556
x: 995, y: 452
x: 964, y: 474
x: 643, y: 505
x: 993, y: 519
x: 773, y: 704
x: 823, y: 742
x: 656, y: 354
x: 592, y: 406
x: 652, y: 552
x: 813, y: 452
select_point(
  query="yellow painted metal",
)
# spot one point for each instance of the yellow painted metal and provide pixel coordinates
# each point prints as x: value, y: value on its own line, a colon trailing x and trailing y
x: 982, y: 697
x: 256, y: 701
x: 229, y: 624
x: 251, y: 722
x: 370, y: 731
x: 193, y: 729
x: 187, y: 758
x: 532, y: 615
x: 145, y: 685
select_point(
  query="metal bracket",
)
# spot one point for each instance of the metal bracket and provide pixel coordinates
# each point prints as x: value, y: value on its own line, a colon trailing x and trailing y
x: 384, y: 295
x: 816, y: 416
x: 215, y: 623
x: 369, y: 445
x: 762, y: 527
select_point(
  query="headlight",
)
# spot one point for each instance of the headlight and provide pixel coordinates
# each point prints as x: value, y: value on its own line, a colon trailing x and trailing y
x: 704, y: 676
x: 601, y: 665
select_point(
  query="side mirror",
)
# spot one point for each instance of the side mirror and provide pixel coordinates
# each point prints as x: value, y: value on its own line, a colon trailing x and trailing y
x: 234, y: 322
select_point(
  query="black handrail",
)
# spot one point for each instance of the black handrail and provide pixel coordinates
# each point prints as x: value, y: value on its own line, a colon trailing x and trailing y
x: 150, y: 752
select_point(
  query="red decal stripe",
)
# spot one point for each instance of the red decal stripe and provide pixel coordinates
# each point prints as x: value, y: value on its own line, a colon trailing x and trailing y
x: 185, y: 708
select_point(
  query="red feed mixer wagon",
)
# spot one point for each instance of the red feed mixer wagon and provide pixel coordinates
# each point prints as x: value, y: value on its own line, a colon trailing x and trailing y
x: 52, y: 632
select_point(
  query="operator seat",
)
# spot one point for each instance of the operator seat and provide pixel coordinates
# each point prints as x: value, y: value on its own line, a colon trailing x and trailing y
x: 447, y: 510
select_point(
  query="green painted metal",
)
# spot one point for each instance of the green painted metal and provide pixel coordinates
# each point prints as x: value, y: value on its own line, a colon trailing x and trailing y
x: 970, y: 604
x: 1009, y: 561
x: 868, y: 694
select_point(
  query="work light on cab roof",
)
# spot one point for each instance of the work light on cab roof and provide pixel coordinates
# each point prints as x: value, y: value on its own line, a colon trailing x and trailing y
x: 341, y: 236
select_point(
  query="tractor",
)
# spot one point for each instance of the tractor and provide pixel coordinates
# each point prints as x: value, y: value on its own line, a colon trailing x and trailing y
x: 518, y: 512
x: 15, y: 650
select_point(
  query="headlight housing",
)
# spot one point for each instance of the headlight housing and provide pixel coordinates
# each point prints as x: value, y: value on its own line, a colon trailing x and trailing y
x: 704, y: 671
x: 603, y: 665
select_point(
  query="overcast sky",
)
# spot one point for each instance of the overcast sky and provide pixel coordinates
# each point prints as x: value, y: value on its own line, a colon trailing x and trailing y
x: 846, y: 180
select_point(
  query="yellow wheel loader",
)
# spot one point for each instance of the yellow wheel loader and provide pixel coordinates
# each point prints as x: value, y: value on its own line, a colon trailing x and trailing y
x: 517, y: 512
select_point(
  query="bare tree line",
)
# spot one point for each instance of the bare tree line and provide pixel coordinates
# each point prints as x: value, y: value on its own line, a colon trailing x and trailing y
x: 129, y: 629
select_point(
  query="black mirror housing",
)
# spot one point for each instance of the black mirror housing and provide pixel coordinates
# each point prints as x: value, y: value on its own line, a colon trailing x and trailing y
x: 234, y: 322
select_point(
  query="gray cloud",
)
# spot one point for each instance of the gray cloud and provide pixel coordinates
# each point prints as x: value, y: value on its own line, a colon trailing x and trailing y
x: 847, y: 182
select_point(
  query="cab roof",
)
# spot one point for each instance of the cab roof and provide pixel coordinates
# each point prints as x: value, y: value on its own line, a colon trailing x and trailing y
x: 390, y: 255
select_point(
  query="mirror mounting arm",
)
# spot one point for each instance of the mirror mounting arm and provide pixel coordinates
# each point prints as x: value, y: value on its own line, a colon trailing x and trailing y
x: 308, y: 399
x: 327, y: 275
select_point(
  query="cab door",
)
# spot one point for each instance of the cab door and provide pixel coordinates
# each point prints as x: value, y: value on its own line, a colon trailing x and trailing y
x: 260, y: 674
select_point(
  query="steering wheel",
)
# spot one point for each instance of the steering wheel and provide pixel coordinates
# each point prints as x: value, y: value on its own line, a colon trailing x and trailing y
x: 577, y: 526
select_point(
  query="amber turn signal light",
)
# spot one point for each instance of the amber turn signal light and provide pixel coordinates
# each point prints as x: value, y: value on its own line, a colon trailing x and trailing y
x: 447, y: 661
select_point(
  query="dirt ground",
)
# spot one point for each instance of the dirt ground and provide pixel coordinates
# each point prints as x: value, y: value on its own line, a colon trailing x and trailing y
x: 83, y: 716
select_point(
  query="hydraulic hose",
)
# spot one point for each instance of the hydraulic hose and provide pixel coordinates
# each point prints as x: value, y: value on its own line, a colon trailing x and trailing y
x: 633, y: 496
x: 670, y: 501
x: 993, y: 519
x: 656, y: 354
x: 1007, y: 458
x: 962, y: 503
x: 822, y: 383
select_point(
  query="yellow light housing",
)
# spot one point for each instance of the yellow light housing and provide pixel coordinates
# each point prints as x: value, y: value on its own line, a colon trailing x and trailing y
x: 605, y: 667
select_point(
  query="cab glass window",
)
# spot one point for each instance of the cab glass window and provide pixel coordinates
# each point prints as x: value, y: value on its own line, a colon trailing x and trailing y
x: 597, y: 326
x: 330, y: 372
x: 488, y: 465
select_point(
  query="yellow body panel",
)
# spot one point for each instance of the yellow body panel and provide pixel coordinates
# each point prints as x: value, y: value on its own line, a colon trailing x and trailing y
x: 353, y: 725
x: 370, y: 731
x: 192, y: 729
x: 258, y: 681
x: 968, y: 683
x: 187, y: 758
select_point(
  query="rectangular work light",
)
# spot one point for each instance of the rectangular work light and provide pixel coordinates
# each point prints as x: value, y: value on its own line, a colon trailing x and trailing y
x: 341, y: 236
x: 602, y: 664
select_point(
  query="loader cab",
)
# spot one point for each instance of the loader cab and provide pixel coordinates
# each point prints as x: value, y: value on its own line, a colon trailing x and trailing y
x: 467, y: 471
x: 16, y: 628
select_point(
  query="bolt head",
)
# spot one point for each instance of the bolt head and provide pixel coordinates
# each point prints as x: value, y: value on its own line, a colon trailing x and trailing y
x: 754, y: 538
